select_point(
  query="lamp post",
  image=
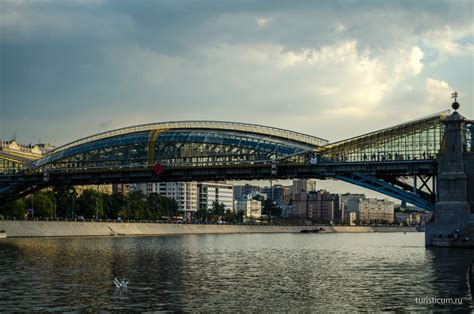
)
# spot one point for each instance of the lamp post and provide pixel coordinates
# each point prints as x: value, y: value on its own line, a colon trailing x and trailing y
x: 73, y: 213
x: 32, y: 208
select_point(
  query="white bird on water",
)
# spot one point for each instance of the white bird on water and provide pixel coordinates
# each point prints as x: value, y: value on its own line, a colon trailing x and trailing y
x: 120, y: 283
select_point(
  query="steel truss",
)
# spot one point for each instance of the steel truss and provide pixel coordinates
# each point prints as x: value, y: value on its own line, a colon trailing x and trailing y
x: 393, y: 187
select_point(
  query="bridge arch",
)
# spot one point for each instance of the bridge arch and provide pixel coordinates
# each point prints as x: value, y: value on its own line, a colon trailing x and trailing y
x: 182, y: 142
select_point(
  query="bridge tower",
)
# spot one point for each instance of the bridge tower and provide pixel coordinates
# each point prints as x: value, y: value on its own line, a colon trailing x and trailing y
x: 452, y: 220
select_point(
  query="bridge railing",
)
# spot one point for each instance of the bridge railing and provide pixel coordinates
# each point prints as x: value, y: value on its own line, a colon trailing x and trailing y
x: 306, y: 158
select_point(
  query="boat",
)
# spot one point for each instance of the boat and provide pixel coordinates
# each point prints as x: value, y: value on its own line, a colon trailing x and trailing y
x: 314, y: 230
x: 3, y: 234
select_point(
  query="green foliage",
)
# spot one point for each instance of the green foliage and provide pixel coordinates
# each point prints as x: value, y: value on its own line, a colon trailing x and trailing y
x: 239, y: 216
x: 137, y: 207
x: 170, y: 207
x: 65, y: 197
x: 218, y: 209
x: 230, y: 217
x: 14, y: 209
x: 203, y: 215
x: 155, y: 205
x: 42, y: 204
x: 113, y: 204
x: 269, y: 208
x: 90, y: 203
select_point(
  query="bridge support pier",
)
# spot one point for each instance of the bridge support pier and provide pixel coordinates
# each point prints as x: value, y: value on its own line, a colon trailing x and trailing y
x: 452, y: 224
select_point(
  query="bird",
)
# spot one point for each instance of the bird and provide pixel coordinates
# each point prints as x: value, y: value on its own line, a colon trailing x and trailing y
x: 120, y: 283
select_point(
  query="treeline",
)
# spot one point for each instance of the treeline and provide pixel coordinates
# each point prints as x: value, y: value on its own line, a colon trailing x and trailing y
x: 64, y: 202
x: 218, y: 213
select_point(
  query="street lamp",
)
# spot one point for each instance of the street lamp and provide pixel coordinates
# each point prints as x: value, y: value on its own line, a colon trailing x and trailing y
x: 32, y: 208
x: 73, y: 213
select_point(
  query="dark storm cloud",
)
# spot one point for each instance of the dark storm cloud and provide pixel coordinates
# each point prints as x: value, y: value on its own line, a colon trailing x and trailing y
x: 134, y: 61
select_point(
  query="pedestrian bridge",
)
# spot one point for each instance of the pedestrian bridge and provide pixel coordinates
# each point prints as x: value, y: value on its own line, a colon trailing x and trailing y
x: 212, y: 143
x: 398, y: 161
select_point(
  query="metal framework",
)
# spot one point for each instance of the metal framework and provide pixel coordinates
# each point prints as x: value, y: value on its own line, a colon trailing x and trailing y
x: 416, y: 140
x: 392, y: 187
x: 198, y: 147
x: 208, y: 125
x: 206, y: 144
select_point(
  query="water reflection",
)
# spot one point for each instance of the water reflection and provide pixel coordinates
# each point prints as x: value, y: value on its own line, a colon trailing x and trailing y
x: 284, y: 272
x: 449, y: 274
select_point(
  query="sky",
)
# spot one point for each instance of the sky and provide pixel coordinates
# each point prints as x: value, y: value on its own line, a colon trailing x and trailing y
x: 332, y: 69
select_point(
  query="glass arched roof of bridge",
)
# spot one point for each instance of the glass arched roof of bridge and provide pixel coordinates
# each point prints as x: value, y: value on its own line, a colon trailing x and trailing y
x: 182, y: 142
x: 208, y: 125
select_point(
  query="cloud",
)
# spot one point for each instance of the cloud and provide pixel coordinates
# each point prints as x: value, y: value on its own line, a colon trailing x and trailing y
x: 261, y: 21
x: 446, y: 41
x: 437, y: 92
x: 295, y: 64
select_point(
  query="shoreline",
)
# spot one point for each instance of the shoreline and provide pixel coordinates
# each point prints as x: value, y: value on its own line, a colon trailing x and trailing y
x: 27, y: 229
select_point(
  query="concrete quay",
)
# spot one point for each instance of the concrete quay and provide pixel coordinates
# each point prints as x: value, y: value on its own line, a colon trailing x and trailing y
x: 19, y: 229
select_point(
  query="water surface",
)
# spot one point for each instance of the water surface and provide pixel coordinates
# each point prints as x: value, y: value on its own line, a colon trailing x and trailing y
x: 242, y: 272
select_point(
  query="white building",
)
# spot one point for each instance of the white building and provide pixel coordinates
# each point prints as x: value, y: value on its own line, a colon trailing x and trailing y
x: 210, y: 192
x: 185, y: 193
x: 251, y: 208
x: 374, y: 210
x: 191, y: 195
x: 367, y: 209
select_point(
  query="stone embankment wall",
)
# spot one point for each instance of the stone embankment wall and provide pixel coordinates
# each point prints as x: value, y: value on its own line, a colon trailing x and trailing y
x: 67, y: 229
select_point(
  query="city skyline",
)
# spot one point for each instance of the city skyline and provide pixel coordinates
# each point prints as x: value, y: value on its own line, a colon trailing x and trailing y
x: 74, y: 69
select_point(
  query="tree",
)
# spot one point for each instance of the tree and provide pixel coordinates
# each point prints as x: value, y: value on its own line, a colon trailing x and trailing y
x: 14, y: 209
x: 230, y: 216
x: 154, y: 203
x: 170, y: 206
x: 90, y: 204
x: 42, y: 204
x: 113, y: 204
x: 65, y: 197
x: 202, y: 214
x: 137, y: 206
x: 239, y: 216
x: 269, y: 208
x: 218, y: 209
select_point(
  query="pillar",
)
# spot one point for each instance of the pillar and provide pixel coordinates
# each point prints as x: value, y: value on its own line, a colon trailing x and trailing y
x: 452, y: 210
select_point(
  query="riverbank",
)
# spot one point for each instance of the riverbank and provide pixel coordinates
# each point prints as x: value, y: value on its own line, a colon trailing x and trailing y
x: 17, y: 229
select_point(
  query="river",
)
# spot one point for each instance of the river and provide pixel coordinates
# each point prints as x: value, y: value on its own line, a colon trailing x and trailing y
x: 235, y: 272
